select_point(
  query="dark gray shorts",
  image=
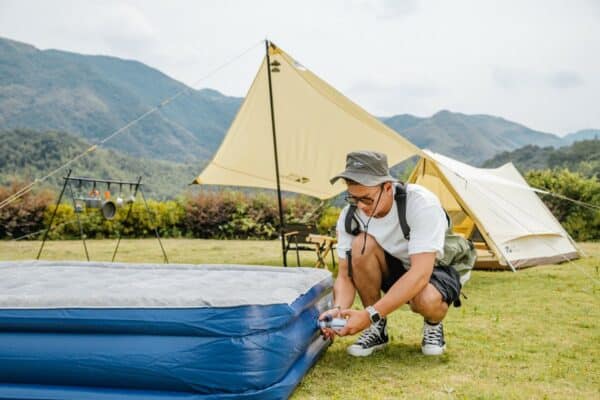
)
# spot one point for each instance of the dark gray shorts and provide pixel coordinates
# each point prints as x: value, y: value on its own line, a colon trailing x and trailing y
x: 445, y: 279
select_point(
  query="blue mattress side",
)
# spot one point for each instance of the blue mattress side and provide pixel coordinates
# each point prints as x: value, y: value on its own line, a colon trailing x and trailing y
x: 278, y: 390
x: 198, y: 321
x: 212, y: 357
x: 174, y: 363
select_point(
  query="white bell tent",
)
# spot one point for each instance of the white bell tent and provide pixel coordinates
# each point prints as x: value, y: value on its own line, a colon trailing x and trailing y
x: 498, y: 210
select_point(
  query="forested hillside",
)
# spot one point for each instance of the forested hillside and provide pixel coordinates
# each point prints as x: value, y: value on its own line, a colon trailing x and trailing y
x: 26, y: 155
x: 582, y: 157
x: 92, y: 96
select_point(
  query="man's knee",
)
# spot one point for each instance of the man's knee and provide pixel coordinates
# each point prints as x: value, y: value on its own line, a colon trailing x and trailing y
x: 364, y: 247
x: 427, y: 300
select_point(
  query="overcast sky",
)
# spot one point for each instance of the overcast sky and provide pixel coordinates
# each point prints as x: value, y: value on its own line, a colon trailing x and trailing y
x: 533, y: 62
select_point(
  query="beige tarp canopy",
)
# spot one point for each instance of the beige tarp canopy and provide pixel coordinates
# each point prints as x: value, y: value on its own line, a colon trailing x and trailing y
x: 508, y: 222
x: 316, y: 126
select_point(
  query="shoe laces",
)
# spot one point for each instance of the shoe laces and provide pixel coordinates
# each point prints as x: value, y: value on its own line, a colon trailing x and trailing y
x: 432, y: 334
x: 369, y: 335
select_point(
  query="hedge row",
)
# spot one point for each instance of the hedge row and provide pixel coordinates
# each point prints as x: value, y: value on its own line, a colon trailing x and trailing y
x: 214, y: 215
x: 235, y: 215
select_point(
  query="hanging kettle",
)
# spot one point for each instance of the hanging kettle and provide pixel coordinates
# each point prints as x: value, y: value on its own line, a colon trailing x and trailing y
x: 109, y: 209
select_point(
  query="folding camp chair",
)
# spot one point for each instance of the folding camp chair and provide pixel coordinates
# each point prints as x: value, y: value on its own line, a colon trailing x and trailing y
x: 305, y: 237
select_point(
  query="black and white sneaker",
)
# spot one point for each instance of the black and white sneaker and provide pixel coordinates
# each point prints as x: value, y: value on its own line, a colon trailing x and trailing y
x: 371, y: 339
x: 433, y: 343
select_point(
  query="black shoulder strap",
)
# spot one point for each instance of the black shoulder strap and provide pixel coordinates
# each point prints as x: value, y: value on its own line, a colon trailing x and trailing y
x: 401, y: 203
x: 400, y: 198
x: 352, y: 226
x: 351, y: 223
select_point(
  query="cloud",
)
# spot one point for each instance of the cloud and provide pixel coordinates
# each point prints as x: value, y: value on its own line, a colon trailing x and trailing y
x: 514, y: 78
x: 593, y: 6
x: 522, y: 78
x: 393, y: 9
x: 122, y: 28
x: 387, y: 99
x: 387, y: 9
x: 407, y: 89
x: 565, y: 80
x: 126, y: 28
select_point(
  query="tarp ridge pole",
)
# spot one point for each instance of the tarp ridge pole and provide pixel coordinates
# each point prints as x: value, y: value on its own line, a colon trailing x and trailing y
x: 279, y: 201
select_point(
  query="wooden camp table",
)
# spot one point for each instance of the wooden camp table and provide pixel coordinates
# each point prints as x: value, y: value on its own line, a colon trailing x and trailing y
x: 323, y: 245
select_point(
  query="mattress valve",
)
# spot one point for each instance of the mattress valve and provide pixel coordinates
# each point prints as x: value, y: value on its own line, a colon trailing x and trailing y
x: 329, y: 322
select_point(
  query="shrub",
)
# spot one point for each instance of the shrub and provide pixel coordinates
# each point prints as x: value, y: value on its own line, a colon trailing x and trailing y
x: 327, y: 223
x: 207, y: 211
x: 582, y: 223
x: 24, y: 215
x: 235, y: 215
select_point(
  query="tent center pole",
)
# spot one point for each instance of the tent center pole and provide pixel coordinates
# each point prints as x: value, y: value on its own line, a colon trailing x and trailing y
x: 279, y: 201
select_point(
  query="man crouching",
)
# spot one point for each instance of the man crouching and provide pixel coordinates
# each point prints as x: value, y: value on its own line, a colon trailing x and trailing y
x: 377, y: 254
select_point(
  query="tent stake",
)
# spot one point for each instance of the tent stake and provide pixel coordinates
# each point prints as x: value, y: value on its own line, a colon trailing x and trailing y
x: 279, y: 202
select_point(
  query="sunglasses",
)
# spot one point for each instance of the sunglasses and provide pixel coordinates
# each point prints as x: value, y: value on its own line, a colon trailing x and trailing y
x: 366, y: 200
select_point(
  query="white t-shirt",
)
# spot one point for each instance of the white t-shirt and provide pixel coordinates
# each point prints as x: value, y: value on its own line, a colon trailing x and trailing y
x: 424, y: 215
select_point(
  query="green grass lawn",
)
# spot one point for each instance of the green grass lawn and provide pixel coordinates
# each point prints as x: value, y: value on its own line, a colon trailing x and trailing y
x: 530, y: 335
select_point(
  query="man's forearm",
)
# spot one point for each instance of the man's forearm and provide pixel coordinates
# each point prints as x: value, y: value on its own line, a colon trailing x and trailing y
x: 400, y: 293
x: 343, y: 289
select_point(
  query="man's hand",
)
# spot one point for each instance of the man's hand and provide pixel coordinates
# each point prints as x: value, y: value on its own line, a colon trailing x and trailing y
x: 329, y: 333
x: 357, y: 321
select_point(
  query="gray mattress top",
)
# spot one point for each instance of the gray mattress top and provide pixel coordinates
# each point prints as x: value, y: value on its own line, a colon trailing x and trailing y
x: 68, y: 284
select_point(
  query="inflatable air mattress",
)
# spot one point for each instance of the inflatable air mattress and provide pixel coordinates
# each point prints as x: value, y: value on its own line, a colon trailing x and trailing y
x: 75, y: 330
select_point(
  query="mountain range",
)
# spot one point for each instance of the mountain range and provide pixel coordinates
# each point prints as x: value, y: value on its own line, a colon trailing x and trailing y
x: 90, y: 97
x: 470, y: 138
x: 584, y: 134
